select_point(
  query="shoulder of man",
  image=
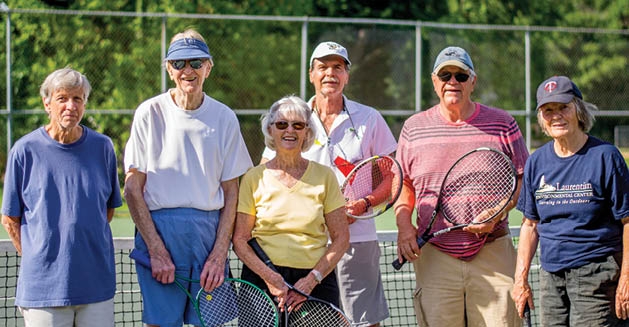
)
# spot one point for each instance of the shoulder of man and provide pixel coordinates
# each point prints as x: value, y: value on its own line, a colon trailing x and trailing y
x: 354, y: 106
x: 94, y: 135
x: 25, y: 142
x: 498, y: 112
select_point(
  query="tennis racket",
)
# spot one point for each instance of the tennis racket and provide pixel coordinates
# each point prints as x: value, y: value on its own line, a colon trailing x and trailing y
x: 372, y: 187
x: 235, y: 303
x: 477, y: 188
x: 312, y: 311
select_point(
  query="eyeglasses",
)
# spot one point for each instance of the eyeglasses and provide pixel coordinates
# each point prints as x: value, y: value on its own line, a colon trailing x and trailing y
x: 181, y: 64
x: 297, y: 125
x: 460, y: 77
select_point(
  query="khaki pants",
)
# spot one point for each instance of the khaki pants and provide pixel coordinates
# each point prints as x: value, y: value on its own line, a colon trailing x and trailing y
x: 451, y: 292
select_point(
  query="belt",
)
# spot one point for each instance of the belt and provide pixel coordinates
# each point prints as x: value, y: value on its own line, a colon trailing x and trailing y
x: 497, y: 234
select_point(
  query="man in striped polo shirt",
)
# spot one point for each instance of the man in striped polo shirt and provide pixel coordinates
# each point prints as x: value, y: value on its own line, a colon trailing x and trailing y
x: 463, y: 277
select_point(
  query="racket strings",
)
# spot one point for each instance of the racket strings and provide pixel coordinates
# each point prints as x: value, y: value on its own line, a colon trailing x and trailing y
x: 480, y: 183
x: 236, y: 304
x: 368, y: 177
x: 317, y: 314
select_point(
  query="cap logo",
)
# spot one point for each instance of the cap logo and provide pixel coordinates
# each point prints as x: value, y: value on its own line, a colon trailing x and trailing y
x: 333, y: 46
x: 550, y: 86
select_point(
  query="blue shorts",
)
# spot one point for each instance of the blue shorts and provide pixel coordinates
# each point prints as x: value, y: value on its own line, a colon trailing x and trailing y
x: 189, y: 235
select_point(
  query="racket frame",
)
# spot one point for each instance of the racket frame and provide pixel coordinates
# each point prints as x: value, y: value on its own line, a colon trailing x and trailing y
x: 257, y: 249
x: 427, y: 235
x: 378, y: 209
x: 142, y: 259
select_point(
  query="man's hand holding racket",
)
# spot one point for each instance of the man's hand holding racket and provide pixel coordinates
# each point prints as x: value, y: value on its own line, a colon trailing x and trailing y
x: 162, y: 266
x: 235, y: 300
x: 481, y: 225
x: 213, y: 273
x: 372, y: 187
x: 407, y: 249
x: 474, y: 195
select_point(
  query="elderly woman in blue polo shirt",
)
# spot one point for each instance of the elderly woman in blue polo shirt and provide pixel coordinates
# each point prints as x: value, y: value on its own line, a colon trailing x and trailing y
x: 575, y: 200
x: 183, y: 159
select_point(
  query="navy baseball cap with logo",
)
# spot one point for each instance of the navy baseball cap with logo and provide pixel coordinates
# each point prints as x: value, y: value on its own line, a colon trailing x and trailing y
x: 558, y: 89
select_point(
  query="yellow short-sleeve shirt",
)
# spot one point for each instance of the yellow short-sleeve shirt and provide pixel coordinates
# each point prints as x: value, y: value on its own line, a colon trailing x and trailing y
x: 290, y: 224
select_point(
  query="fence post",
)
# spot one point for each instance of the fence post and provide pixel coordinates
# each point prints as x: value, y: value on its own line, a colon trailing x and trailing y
x: 5, y: 8
x: 527, y: 81
x: 304, y: 57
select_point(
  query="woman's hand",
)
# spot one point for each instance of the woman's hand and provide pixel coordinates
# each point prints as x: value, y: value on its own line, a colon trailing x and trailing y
x: 277, y: 288
x: 522, y: 294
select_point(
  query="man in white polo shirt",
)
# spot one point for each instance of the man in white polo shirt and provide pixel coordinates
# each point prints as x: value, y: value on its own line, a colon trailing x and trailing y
x: 346, y: 133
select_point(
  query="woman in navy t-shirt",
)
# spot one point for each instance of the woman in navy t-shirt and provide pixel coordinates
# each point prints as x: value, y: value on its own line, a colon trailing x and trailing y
x: 575, y: 200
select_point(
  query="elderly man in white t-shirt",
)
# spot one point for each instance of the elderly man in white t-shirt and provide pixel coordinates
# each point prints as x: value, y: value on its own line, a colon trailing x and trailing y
x: 183, y: 159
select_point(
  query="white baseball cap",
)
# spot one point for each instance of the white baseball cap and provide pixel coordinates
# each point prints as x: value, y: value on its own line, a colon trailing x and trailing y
x: 330, y: 48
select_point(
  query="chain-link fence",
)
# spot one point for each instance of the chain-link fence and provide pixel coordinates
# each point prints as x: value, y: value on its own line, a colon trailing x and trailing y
x: 259, y: 59
x: 262, y: 58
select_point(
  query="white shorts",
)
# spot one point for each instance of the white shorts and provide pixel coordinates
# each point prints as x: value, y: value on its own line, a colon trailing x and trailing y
x: 99, y: 314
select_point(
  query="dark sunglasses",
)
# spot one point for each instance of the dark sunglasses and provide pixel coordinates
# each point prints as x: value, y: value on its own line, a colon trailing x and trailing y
x: 297, y: 125
x: 460, y: 77
x: 180, y: 64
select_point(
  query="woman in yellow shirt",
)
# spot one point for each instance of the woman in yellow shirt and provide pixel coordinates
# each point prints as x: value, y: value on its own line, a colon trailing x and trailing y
x: 292, y: 206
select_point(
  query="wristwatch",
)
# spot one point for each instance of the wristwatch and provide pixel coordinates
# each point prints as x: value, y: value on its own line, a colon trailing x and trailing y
x: 317, y: 275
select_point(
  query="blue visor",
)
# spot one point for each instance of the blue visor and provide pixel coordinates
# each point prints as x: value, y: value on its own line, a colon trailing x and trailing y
x: 188, y: 49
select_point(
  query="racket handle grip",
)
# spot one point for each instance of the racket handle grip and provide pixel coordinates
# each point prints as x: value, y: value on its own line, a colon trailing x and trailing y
x: 421, y: 241
x: 397, y: 264
x: 253, y: 243
x: 527, y: 315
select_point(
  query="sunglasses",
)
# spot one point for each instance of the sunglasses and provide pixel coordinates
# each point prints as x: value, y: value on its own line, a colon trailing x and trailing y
x: 460, y: 77
x: 180, y: 64
x: 297, y: 125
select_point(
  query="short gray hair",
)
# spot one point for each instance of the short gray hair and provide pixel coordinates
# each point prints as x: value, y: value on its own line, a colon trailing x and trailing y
x: 585, y: 115
x: 289, y: 105
x: 64, y: 79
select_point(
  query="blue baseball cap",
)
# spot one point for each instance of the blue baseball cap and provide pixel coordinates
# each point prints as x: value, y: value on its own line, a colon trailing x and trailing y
x: 558, y: 89
x: 453, y: 56
x: 188, y: 48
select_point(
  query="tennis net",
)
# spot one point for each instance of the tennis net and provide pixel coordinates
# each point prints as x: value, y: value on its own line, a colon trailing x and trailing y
x: 399, y: 285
